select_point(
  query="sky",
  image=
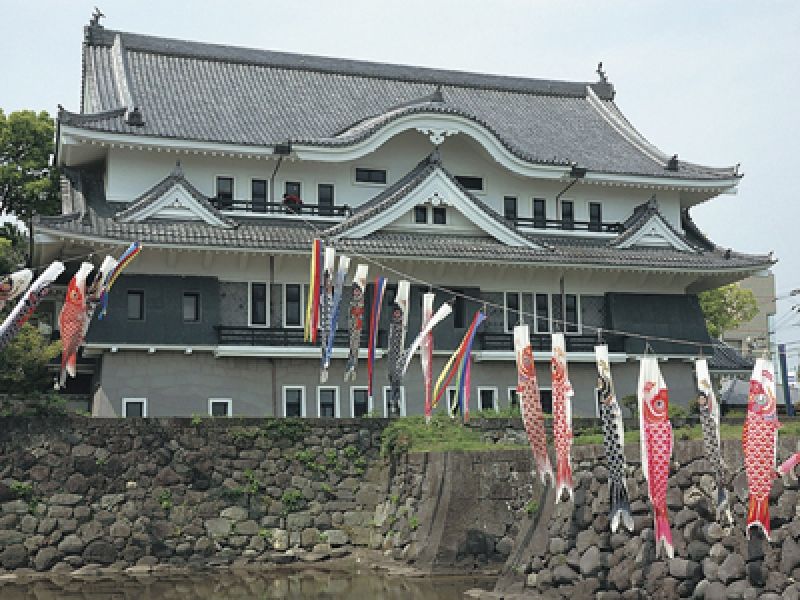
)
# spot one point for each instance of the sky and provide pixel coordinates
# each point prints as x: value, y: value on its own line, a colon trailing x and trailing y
x: 714, y: 81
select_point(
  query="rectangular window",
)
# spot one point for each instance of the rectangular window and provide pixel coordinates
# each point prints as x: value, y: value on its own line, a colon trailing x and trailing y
x: 292, y: 188
x: 293, y: 305
x: 567, y: 214
x: 439, y: 215
x: 421, y: 214
x: 510, y: 208
x: 452, y: 396
x: 542, y: 324
x: 546, y: 397
x: 134, y: 407
x: 512, y: 307
x: 539, y: 213
x: 571, y: 312
x: 220, y: 407
x: 225, y: 192
x: 328, y: 401
x: 469, y: 182
x: 135, y: 305
x: 513, y: 398
x: 294, y: 401
x: 191, y: 307
x: 459, y: 312
x: 487, y: 399
x: 258, y: 304
x: 595, y: 216
x: 386, y: 393
x: 258, y: 195
x: 359, y: 402
x: 325, y: 199
x: 371, y: 175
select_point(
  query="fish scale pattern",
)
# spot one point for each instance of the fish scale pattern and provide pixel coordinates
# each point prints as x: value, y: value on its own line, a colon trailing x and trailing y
x: 532, y: 416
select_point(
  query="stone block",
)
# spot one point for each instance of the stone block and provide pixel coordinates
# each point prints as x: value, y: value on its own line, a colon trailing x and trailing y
x: 218, y: 527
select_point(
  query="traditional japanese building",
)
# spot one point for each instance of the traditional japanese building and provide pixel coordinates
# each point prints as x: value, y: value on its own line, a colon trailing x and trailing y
x: 524, y: 194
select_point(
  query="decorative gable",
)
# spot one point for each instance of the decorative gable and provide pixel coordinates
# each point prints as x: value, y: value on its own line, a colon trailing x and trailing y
x: 175, y: 199
x: 655, y: 232
x: 434, y: 187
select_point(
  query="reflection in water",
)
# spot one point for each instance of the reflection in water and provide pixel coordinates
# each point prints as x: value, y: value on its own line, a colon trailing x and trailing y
x: 246, y: 586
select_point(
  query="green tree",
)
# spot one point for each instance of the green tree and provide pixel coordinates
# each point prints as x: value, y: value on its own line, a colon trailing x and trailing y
x: 13, y: 245
x: 24, y: 361
x: 727, y: 307
x: 27, y: 183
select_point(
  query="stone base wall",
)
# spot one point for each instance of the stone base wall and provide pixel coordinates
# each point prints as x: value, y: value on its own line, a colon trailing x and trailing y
x: 75, y: 491
x: 579, y: 557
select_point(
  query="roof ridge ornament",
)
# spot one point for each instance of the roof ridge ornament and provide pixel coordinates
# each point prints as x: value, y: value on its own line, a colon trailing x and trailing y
x: 652, y: 202
x: 601, y: 73
x: 672, y: 163
x: 96, y: 16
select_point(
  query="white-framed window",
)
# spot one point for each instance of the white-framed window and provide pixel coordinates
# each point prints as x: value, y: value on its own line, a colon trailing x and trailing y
x: 258, y: 304
x: 487, y: 399
x: 259, y: 194
x: 360, y: 402
x: 512, y: 395
x: 370, y: 176
x: 224, y: 191
x: 542, y: 308
x: 420, y: 214
x: 294, y: 401
x: 293, y: 305
x: 134, y: 407
x: 386, y: 393
x: 512, y: 301
x: 572, y: 314
x: 220, y: 407
x: 328, y: 401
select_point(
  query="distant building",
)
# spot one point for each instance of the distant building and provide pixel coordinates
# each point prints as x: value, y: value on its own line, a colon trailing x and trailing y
x: 524, y: 194
x: 756, y: 335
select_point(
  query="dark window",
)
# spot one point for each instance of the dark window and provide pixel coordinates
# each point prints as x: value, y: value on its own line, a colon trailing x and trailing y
x: 225, y: 191
x: 542, y: 314
x: 327, y: 402
x: 513, y: 398
x: 258, y: 303
x: 191, y: 307
x: 292, y: 188
x: 258, y: 193
x: 360, y: 403
x: 595, y: 216
x: 134, y: 408
x: 571, y: 314
x: 387, y: 394
x: 293, y: 398
x: 370, y: 175
x: 539, y: 212
x: 439, y: 215
x: 471, y: 183
x: 512, y: 310
x: 220, y: 408
x: 294, y: 305
x: 567, y: 214
x: 459, y: 312
x: 510, y: 207
x: 420, y: 214
x: 135, y: 305
x: 487, y: 399
x: 452, y: 399
x: 546, y: 397
x: 325, y: 199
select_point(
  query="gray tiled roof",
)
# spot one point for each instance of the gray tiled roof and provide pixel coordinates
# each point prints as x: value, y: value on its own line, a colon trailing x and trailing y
x: 205, y: 92
x: 727, y: 358
x: 295, y: 235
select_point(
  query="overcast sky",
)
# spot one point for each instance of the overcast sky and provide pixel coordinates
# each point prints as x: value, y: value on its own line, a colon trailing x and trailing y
x: 717, y: 82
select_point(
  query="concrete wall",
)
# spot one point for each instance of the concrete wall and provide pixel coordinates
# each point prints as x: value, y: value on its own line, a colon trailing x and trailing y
x: 176, y: 384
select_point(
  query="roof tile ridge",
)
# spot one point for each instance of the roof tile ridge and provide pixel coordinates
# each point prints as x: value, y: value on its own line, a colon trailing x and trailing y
x: 626, y: 130
x: 347, y: 66
x: 119, y: 67
x: 648, y: 210
x: 72, y: 118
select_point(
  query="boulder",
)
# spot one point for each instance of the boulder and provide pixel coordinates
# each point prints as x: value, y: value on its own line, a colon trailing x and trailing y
x: 46, y: 558
x: 100, y: 551
x: 790, y: 556
x: 684, y: 569
x: 731, y: 569
x: 234, y: 513
x: 14, y: 557
x: 592, y: 561
x: 562, y: 574
x: 71, y: 544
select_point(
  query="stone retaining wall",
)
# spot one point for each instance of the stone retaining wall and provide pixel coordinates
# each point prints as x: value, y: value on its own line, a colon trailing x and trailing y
x: 76, y: 491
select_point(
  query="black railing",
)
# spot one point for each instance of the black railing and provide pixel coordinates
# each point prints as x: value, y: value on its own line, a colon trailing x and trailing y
x: 541, y: 342
x: 287, y: 208
x: 568, y: 225
x: 282, y: 336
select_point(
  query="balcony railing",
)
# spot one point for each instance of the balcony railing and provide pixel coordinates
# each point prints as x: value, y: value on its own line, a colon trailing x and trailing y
x: 541, y: 342
x: 263, y: 207
x: 568, y: 225
x: 282, y: 336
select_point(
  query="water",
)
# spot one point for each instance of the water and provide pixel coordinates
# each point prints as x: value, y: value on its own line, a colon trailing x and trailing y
x: 366, y: 585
